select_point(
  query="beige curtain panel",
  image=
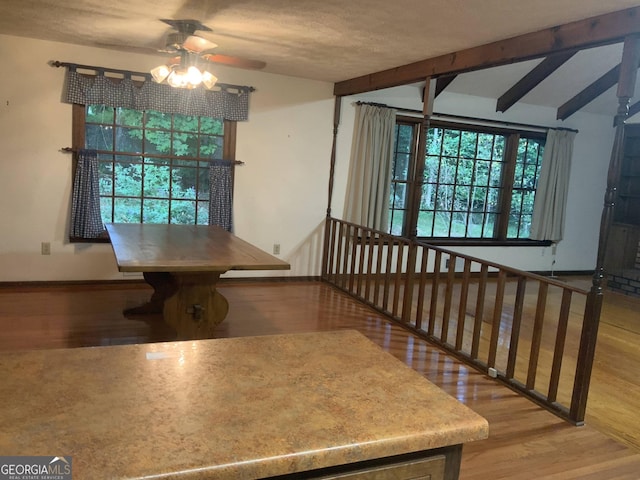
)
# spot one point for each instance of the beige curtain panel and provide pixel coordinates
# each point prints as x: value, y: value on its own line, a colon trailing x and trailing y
x: 549, y: 209
x: 368, y: 184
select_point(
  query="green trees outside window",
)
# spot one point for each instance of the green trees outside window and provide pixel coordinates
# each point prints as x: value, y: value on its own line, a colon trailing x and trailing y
x: 153, y: 165
x: 475, y: 183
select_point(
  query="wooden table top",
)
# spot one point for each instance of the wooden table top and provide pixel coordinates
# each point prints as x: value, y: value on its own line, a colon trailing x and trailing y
x: 227, y: 408
x: 185, y: 248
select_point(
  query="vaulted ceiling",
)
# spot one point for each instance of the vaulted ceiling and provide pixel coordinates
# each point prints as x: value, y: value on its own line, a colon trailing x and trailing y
x: 337, y: 40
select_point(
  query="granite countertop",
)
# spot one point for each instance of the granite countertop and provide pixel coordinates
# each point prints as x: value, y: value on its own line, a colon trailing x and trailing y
x: 229, y: 408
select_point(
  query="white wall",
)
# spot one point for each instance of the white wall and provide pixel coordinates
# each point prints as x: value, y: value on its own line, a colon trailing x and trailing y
x: 280, y: 192
x: 592, y: 150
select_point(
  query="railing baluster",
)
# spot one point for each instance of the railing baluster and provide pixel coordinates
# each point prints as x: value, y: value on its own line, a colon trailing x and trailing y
x: 462, y: 307
x: 338, y: 278
x: 387, y: 273
x: 497, y: 319
x: 435, y: 287
x: 355, y: 254
x: 354, y: 239
x: 345, y: 257
x: 361, y: 268
x: 370, y: 278
x: 537, y: 335
x: 448, y: 296
x: 398, y: 278
x: 561, y: 335
x: 515, y: 326
x: 421, y: 288
x: 477, y: 323
x: 380, y: 249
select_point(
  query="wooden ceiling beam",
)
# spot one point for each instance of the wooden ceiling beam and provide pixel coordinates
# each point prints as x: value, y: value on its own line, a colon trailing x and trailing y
x: 442, y: 83
x: 532, y: 80
x: 589, y: 93
x: 591, y: 32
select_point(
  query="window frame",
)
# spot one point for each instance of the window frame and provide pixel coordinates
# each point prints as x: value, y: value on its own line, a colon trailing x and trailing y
x: 78, y: 132
x: 416, y: 174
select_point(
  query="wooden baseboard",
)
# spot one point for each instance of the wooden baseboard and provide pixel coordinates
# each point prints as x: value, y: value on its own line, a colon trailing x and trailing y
x: 138, y: 282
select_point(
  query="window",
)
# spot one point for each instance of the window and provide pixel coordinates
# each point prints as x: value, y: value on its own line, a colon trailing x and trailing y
x: 476, y: 182
x: 154, y: 167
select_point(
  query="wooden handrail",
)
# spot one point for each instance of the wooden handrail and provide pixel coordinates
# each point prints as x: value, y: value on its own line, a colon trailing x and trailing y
x: 407, y: 281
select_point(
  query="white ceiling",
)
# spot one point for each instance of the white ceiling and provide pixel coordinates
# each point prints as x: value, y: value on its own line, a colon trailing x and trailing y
x: 330, y: 40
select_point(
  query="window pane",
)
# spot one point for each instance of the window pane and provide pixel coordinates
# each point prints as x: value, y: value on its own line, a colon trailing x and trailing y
x: 128, y: 179
x: 442, y: 224
x: 183, y: 212
x: 425, y: 224
x: 401, y: 166
x: 156, y: 211
x: 183, y: 183
x: 434, y: 141
x: 99, y: 114
x: 158, y: 120
x: 126, y: 210
x: 185, y: 123
x: 213, y: 126
x: 469, y: 144
x: 396, y: 219
x: 458, y: 224
x: 157, y: 141
x: 99, y: 137
x: 461, y: 199
x: 203, y: 184
x: 128, y: 117
x: 485, y: 146
x: 106, y: 178
x: 185, y: 145
x: 156, y: 181
x: 398, y: 195
x: 444, y: 197
x: 211, y: 147
x: 128, y: 140
x: 451, y: 142
x: 203, y: 213
x: 106, y: 204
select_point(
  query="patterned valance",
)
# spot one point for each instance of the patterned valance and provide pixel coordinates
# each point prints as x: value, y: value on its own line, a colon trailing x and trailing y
x: 148, y: 95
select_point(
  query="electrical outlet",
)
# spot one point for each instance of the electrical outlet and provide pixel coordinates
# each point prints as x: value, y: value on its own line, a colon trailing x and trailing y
x: 276, y: 249
x: 45, y: 248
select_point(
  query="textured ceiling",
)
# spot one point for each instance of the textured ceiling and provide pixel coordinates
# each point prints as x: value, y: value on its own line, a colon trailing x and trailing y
x: 330, y: 40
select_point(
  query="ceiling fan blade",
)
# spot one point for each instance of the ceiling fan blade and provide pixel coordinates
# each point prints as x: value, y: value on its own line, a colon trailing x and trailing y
x: 234, y: 61
x: 194, y: 43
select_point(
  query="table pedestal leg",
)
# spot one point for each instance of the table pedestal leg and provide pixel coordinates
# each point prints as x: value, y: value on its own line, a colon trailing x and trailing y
x: 189, y: 302
x: 164, y: 286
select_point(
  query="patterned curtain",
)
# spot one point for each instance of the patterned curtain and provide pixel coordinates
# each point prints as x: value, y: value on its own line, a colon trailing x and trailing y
x: 86, y: 221
x: 221, y: 194
x: 101, y: 90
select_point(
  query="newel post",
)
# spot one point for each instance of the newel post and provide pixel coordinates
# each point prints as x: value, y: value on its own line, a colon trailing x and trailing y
x: 327, y: 227
x: 586, y: 353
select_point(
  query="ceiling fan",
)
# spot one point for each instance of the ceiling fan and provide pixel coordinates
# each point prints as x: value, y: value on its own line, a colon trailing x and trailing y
x: 188, y: 68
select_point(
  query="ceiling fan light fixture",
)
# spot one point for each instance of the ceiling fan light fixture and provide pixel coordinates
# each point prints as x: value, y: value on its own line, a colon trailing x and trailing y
x: 208, y: 79
x: 160, y: 73
x: 180, y: 77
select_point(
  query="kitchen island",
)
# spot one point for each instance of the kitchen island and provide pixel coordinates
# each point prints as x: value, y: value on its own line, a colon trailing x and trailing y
x: 317, y: 405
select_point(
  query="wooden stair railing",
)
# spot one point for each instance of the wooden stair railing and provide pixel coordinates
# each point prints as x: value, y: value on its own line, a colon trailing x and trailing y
x: 522, y: 328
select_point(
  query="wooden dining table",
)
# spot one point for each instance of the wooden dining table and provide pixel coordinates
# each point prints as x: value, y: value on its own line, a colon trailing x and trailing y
x: 183, y: 264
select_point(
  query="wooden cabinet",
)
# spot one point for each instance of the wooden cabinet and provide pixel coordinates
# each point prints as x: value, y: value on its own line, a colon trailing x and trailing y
x: 437, y: 464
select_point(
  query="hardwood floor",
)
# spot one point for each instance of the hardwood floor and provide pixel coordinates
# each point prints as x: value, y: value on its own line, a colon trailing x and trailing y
x: 525, y: 441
